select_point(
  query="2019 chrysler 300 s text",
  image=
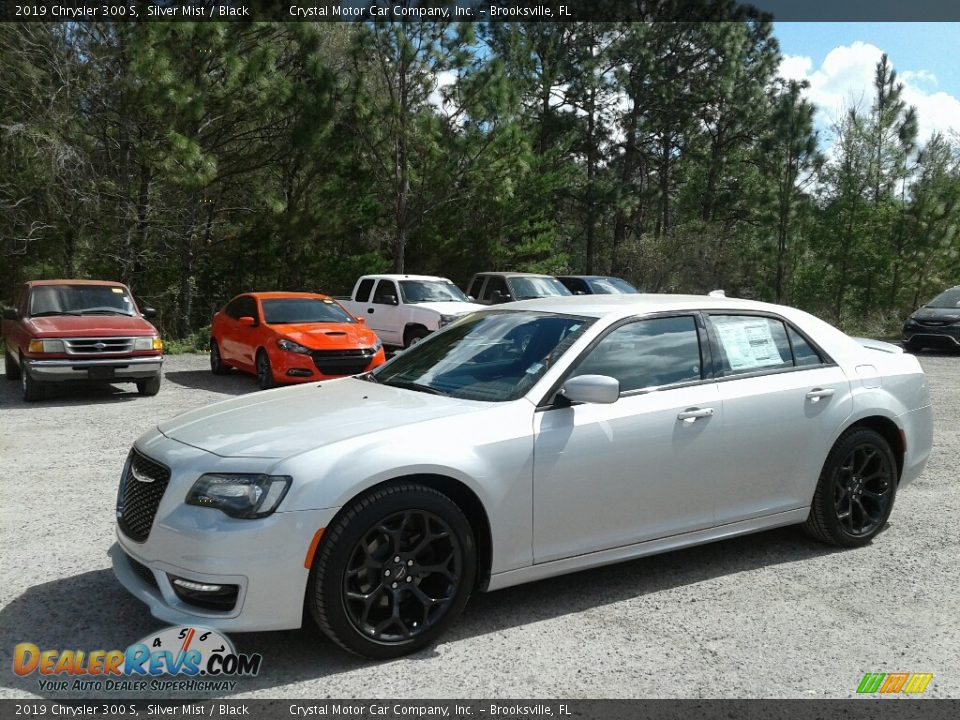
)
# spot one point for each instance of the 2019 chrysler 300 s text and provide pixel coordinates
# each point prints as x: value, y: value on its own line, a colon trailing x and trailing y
x: 517, y: 443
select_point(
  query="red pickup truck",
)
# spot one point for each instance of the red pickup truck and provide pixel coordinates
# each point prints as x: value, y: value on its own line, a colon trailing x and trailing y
x: 80, y: 330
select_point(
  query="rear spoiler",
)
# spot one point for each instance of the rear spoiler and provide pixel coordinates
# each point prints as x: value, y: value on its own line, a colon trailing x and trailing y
x: 886, y: 347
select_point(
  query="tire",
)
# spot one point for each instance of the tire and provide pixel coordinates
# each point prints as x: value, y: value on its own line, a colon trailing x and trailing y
x: 408, y: 603
x: 11, y: 369
x: 414, y: 335
x: 856, y: 490
x: 149, y: 387
x: 912, y: 347
x: 264, y: 370
x: 31, y: 390
x: 217, y: 366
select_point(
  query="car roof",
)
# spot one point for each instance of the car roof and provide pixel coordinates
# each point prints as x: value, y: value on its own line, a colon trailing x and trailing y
x: 279, y: 295
x: 516, y: 274
x: 109, y: 283
x: 589, y: 277
x: 599, y: 306
x: 395, y: 276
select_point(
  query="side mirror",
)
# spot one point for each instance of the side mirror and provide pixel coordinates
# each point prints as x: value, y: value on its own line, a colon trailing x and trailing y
x: 601, y: 389
x: 500, y: 297
x: 148, y: 312
x: 471, y: 298
x: 11, y: 314
x: 390, y: 300
x: 361, y: 320
x: 247, y: 320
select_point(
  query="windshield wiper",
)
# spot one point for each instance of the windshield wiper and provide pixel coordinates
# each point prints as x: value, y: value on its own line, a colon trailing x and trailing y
x: 52, y: 313
x: 420, y: 387
x: 103, y: 312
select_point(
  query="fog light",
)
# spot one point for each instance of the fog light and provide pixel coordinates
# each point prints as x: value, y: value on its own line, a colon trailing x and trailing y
x: 195, y: 586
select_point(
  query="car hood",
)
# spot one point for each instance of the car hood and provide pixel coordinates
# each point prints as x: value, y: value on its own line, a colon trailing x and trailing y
x: 288, y: 421
x: 328, y: 335
x: 450, y: 308
x: 943, y: 314
x: 89, y: 325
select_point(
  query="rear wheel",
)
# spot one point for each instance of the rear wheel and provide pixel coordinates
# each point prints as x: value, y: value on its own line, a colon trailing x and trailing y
x: 393, y: 572
x: 414, y: 335
x: 149, y: 387
x: 217, y: 366
x: 264, y: 370
x: 855, y: 494
x: 31, y: 390
x: 11, y: 369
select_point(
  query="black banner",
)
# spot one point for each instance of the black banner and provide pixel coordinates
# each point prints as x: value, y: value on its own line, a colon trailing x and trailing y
x: 478, y: 10
x: 854, y: 709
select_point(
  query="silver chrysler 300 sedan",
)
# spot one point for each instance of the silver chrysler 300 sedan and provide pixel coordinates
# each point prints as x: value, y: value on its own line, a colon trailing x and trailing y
x: 535, y: 439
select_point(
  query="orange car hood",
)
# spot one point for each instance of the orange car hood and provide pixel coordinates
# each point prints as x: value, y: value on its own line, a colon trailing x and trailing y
x: 320, y: 336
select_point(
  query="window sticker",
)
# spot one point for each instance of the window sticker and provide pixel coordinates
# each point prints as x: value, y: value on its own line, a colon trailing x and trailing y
x: 118, y: 291
x: 748, y: 343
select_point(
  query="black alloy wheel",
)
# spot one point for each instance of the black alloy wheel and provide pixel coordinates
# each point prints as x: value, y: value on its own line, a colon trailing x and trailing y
x: 217, y: 366
x: 264, y: 371
x: 393, y: 572
x: 856, y: 490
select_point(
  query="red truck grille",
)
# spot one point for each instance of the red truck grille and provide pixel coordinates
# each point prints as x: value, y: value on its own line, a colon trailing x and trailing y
x: 98, y: 346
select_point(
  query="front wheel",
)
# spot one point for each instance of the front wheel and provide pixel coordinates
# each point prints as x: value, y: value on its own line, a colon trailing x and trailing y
x: 149, y: 387
x: 11, y: 369
x: 856, y: 490
x: 414, y: 335
x: 393, y: 572
x: 912, y: 347
x: 31, y: 390
x: 264, y: 370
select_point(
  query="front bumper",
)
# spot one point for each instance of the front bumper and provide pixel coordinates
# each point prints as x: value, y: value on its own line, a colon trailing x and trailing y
x: 114, y: 369
x: 932, y: 336
x: 264, y: 558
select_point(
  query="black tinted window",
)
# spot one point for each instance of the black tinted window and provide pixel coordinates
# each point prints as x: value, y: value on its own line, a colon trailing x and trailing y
x: 385, y: 289
x: 475, y: 287
x: 647, y: 354
x: 233, y: 309
x: 749, y: 344
x: 803, y: 354
x: 363, y: 290
x: 495, y: 284
x: 247, y: 307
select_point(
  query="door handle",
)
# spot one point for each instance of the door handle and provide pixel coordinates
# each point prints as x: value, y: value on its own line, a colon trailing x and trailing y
x: 817, y: 393
x: 369, y: 310
x: 693, y: 414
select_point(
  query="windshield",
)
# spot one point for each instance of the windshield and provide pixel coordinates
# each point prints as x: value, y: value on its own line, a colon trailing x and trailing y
x: 419, y: 291
x: 491, y: 356
x: 948, y: 299
x: 525, y: 288
x: 293, y: 311
x: 80, y: 300
x: 611, y: 286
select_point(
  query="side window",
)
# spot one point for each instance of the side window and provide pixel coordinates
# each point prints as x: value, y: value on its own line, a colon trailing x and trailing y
x: 494, y: 284
x: 647, y: 354
x: 233, y: 308
x: 249, y: 307
x: 363, y: 290
x: 749, y: 344
x: 577, y: 286
x: 475, y: 286
x: 384, y: 289
x: 803, y: 354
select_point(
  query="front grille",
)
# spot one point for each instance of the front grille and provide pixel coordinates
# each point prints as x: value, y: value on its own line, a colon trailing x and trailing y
x: 342, y: 362
x: 141, y: 489
x: 99, y: 346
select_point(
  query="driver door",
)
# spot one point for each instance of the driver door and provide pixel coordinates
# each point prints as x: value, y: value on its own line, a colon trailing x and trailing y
x: 606, y: 476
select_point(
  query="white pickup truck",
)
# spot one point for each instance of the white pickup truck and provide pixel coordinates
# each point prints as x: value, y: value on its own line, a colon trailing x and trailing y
x: 404, y: 309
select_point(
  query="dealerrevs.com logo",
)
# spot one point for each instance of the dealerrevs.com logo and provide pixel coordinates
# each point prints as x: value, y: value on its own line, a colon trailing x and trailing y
x: 205, y: 659
x: 893, y: 683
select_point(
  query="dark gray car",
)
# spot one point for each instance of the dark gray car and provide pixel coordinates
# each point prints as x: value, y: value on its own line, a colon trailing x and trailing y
x: 936, y: 324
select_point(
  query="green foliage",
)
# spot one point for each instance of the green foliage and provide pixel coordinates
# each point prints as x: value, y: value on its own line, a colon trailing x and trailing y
x: 198, y: 160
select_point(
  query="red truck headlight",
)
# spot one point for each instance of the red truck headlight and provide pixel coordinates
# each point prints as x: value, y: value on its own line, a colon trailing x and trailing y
x: 46, y: 346
x: 148, y: 343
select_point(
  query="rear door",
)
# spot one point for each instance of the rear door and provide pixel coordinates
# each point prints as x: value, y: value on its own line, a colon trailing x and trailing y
x: 783, y: 401
x: 383, y: 313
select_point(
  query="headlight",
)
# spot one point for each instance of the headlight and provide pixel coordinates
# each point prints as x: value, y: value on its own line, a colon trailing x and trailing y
x: 377, y: 345
x: 148, y: 343
x: 291, y: 346
x: 447, y: 319
x: 240, y: 495
x: 46, y: 346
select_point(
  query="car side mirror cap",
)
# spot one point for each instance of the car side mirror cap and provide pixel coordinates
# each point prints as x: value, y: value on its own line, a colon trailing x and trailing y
x: 361, y: 320
x: 247, y: 320
x: 149, y: 313
x: 11, y: 314
x: 600, y: 389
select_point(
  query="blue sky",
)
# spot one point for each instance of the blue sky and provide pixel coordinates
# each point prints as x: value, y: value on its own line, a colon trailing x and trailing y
x: 838, y: 59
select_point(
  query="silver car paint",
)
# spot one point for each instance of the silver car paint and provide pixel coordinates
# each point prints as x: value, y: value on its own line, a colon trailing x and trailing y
x: 338, y: 438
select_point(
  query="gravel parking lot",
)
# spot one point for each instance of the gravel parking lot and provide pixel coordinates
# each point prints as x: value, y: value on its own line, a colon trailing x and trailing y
x: 769, y: 615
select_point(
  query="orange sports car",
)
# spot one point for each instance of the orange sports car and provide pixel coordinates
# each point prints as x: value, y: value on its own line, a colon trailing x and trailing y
x: 286, y: 337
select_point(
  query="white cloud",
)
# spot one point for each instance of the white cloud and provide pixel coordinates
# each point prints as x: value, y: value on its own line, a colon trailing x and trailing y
x: 845, y: 80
